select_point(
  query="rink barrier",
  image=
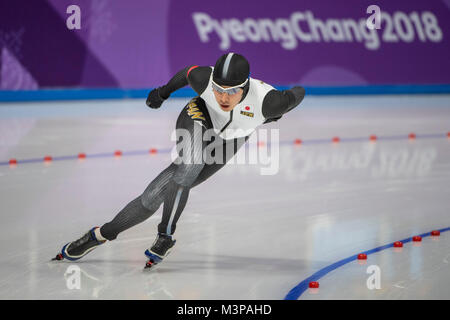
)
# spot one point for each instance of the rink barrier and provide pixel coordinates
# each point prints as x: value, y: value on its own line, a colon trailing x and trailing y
x: 153, y: 151
x: 298, y: 290
x: 118, y: 93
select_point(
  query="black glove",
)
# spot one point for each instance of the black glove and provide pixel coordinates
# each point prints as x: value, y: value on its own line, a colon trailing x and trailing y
x: 154, y: 99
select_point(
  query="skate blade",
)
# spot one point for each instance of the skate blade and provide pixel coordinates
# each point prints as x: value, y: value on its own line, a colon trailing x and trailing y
x: 150, y: 266
x: 59, y: 257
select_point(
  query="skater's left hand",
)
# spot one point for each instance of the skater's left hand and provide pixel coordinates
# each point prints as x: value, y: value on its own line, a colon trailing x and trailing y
x: 154, y: 100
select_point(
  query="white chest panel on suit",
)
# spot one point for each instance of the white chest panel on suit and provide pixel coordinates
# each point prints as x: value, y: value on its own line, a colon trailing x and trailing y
x: 244, y: 118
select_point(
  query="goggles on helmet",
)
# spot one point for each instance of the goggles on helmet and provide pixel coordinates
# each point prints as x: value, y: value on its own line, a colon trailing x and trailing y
x: 230, y: 91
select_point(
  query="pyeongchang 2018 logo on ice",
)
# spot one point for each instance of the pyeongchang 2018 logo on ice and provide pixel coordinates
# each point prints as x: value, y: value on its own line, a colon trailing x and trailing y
x: 304, y: 27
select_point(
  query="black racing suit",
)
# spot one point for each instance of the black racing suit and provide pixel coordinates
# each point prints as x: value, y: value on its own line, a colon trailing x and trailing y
x: 173, y: 184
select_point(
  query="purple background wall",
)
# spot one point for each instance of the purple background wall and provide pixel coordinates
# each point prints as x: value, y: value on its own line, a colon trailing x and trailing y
x: 142, y: 43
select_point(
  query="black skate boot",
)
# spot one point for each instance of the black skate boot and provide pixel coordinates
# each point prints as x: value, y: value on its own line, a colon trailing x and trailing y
x: 79, y: 248
x: 159, y: 250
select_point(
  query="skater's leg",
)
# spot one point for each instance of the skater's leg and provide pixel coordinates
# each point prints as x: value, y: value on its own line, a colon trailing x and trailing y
x: 134, y: 212
x: 173, y: 207
x: 141, y: 208
x: 176, y: 200
x: 191, y: 125
x: 177, y: 197
x: 171, y: 187
x: 165, y: 187
x: 188, y: 166
x: 212, y: 168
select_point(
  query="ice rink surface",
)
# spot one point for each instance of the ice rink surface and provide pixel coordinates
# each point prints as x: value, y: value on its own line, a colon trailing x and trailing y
x: 242, y: 235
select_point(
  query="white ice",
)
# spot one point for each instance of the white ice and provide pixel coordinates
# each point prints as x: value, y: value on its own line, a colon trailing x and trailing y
x: 243, y: 235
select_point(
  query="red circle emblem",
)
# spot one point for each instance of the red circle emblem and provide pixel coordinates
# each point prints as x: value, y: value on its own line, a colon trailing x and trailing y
x: 247, y: 108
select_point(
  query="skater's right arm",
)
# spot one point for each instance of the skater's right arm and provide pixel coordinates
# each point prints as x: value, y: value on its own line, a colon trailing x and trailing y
x: 197, y: 77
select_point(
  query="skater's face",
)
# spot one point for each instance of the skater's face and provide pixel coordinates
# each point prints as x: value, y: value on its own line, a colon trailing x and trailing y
x: 226, y: 101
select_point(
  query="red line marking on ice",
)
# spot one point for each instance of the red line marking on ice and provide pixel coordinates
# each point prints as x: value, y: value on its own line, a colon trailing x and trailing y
x: 13, y: 162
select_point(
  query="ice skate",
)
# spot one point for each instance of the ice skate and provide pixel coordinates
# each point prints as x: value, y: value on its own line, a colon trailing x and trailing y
x: 79, y: 248
x: 159, y: 250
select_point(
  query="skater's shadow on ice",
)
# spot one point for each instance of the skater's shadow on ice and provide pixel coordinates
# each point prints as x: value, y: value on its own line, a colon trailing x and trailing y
x: 233, y: 263
x: 195, y: 261
x: 106, y: 261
